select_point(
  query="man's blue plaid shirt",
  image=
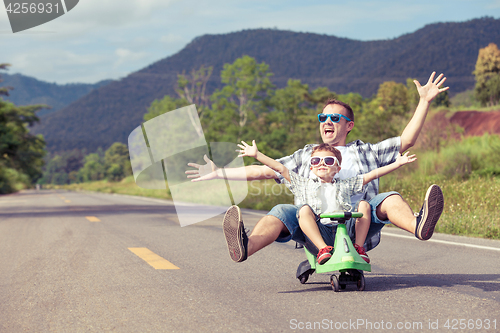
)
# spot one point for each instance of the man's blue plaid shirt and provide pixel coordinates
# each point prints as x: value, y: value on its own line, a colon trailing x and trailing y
x: 369, y: 157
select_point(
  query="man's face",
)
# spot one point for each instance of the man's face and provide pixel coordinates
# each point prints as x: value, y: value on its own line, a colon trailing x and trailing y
x: 335, y: 133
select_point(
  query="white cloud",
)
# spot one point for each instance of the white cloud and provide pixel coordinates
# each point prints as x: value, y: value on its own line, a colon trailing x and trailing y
x: 494, y: 4
x: 102, y: 39
x: 171, y: 38
x: 116, y: 12
x: 127, y: 56
x: 47, y: 64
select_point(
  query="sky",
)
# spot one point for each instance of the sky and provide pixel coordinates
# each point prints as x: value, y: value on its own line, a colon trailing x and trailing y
x: 109, y: 39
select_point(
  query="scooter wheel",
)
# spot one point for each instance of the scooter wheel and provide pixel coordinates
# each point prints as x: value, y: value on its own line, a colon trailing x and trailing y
x: 334, y: 281
x: 303, y: 278
x: 361, y: 283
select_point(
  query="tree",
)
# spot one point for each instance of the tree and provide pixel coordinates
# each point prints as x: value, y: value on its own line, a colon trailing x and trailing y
x: 93, y: 169
x: 393, y: 96
x: 192, y: 88
x: 21, y: 153
x: 385, y: 115
x: 487, y: 72
x: 117, y: 162
x: 413, y: 95
x: 4, y: 90
x: 356, y: 102
x: 62, y: 168
x: 159, y: 107
x: 443, y: 99
x: 282, y: 129
x: 241, y: 100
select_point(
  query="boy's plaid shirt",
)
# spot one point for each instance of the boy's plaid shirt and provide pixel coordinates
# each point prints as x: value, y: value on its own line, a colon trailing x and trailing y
x: 306, y: 191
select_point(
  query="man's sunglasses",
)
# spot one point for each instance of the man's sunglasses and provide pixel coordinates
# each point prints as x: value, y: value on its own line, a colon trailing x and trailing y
x: 329, y: 160
x: 334, y: 117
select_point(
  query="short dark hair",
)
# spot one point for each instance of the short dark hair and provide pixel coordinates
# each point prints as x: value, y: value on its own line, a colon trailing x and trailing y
x: 330, y: 148
x: 350, y: 113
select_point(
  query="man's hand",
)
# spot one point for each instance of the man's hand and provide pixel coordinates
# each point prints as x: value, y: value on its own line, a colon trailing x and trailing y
x: 203, y: 172
x: 247, y: 150
x: 405, y: 159
x: 431, y: 89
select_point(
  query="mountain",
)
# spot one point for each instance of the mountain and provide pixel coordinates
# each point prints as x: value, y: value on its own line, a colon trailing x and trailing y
x: 110, y: 113
x: 28, y: 91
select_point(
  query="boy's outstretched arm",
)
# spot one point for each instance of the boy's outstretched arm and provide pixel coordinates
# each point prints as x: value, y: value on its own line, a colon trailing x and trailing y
x: 252, y: 151
x: 379, y: 172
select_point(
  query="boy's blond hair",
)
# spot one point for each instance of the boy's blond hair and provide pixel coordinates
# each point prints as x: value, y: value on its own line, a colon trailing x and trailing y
x: 330, y: 148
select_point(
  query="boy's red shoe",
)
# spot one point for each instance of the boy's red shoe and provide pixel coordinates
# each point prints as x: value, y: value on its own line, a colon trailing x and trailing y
x: 324, y: 254
x: 361, y: 251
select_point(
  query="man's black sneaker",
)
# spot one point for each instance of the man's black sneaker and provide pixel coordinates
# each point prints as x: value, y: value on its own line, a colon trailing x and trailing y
x: 236, y: 237
x: 429, y: 213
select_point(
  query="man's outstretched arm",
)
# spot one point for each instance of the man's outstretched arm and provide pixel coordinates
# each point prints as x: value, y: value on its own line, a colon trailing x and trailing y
x: 427, y: 94
x: 210, y: 171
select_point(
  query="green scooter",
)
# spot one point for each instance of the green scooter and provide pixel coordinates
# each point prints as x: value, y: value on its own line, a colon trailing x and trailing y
x: 345, y: 258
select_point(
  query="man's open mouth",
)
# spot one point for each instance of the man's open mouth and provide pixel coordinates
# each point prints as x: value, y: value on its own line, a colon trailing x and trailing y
x: 329, y: 131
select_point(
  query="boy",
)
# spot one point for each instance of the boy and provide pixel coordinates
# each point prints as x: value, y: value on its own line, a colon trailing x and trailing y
x: 324, y: 193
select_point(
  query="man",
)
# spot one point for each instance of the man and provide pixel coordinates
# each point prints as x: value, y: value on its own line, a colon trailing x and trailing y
x: 336, y: 121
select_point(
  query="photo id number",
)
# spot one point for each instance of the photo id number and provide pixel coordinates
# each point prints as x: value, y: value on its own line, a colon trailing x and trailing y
x: 32, y: 8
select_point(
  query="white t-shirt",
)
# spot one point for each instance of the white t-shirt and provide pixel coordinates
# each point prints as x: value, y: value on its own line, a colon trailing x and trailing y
x: 349, y: 168
x: 328, y: 195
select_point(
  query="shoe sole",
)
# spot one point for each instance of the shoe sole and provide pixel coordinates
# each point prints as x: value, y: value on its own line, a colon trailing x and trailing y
x: 365, y: 258
x: 434, y: 203
x: 232, y: 226
x: 323, y: 260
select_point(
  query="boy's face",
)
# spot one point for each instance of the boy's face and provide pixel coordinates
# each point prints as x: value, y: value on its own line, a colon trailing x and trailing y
x: 323, y: 171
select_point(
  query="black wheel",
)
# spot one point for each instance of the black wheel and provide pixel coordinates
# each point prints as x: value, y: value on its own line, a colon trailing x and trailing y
x: 304, y: 271
x: 344, y: 279
x: 303, y: 278
x: 361, y: 283
x: 334, y: 281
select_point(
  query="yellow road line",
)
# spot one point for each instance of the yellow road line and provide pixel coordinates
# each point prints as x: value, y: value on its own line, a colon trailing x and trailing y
x: 152, y: 258
x: 67, y: 200
x: 92, y: 219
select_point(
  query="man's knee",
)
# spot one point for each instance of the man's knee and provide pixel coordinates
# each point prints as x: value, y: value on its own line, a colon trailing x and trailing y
x: 392, y: 202
x: 273, y: 223
x: 271, y: 220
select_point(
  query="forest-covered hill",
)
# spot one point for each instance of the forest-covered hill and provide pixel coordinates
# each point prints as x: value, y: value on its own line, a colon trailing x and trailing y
x: 29, y: 91
x: 110, y: 113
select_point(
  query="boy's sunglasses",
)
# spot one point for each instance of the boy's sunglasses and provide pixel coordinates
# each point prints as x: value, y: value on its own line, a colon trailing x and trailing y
x: 334, y: 117
x: 329, y: 160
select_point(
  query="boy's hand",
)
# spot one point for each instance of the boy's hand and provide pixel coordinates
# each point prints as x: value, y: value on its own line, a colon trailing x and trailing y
x: 431, y: 89
x: 247, y: 150
x: 405, y: 159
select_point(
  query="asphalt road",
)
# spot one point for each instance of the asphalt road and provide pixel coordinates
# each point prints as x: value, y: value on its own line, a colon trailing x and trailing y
x: 85, y: 262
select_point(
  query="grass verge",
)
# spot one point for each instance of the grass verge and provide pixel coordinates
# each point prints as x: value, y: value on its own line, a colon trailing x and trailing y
x: 471, y: 206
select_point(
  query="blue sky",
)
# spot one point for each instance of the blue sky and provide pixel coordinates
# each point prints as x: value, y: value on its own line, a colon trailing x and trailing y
x: 109, y: 39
